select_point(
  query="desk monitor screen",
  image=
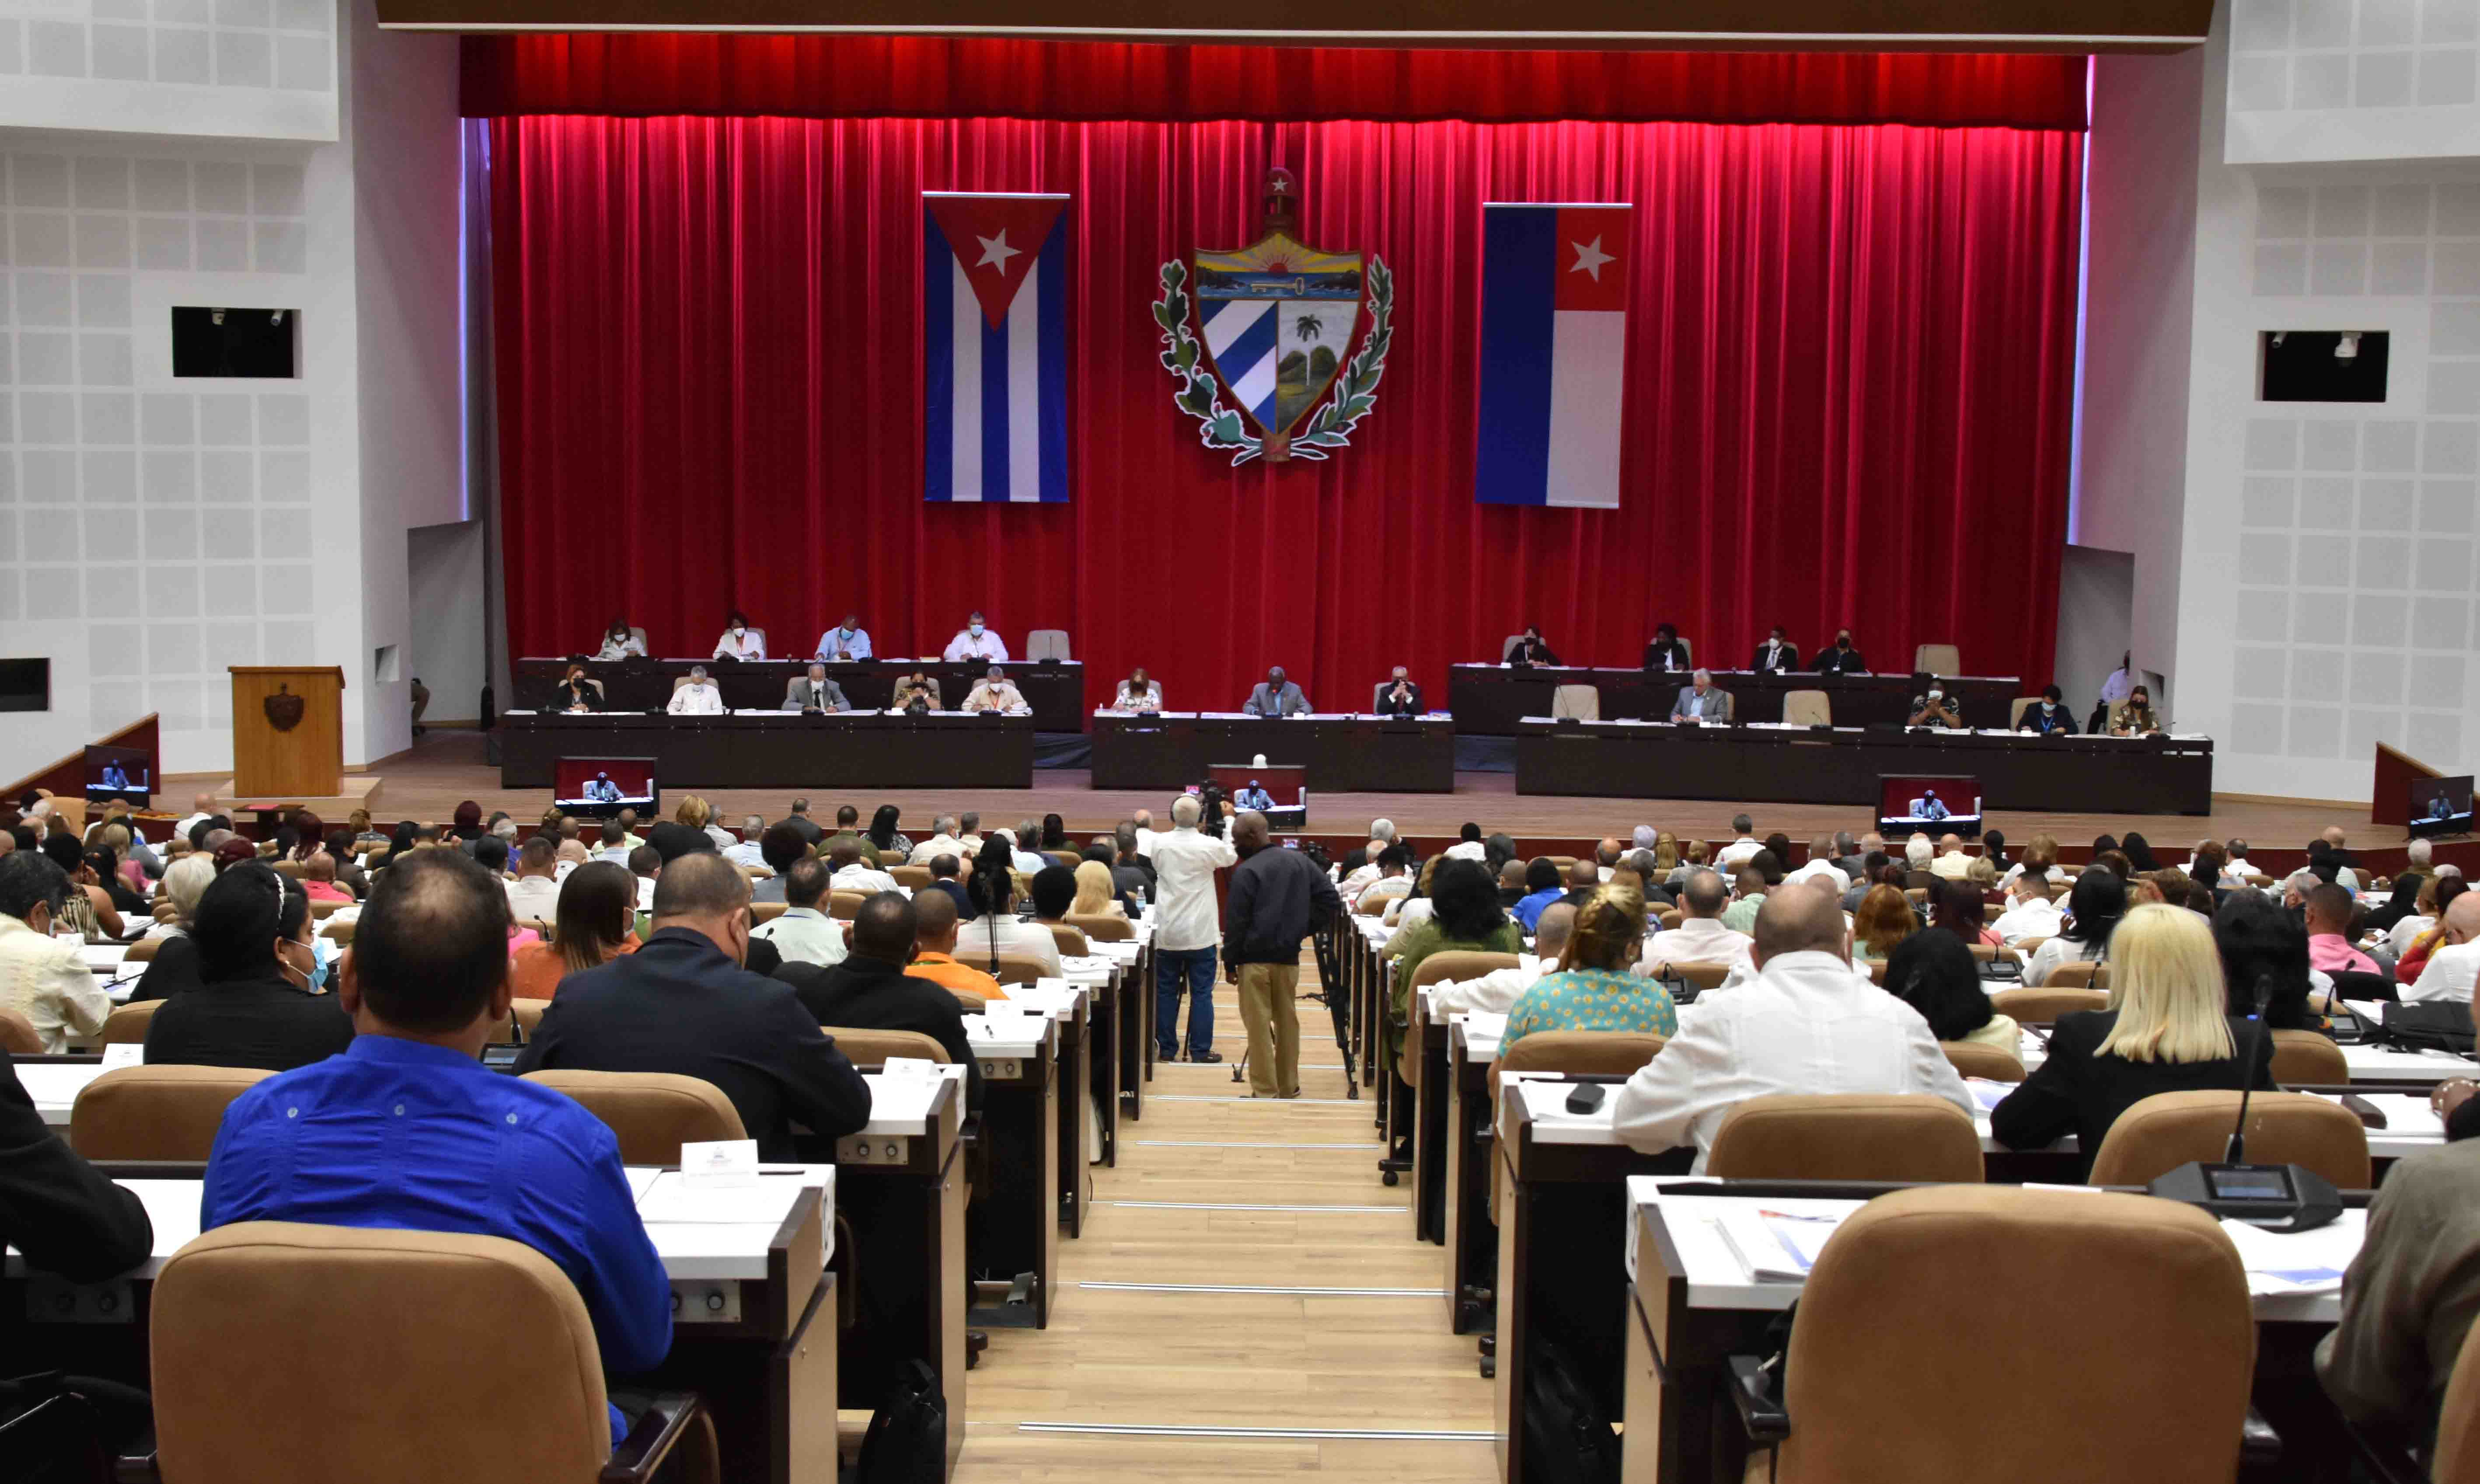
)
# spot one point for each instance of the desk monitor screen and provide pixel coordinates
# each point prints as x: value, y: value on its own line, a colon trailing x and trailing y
x: 1936, y: 806
x: 1284, y: 785
x: 603, y: 786
x: 2440, y: 805
x: 123, y: 773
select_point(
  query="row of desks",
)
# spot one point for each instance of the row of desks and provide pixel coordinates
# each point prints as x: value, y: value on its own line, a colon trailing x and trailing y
x: 778, y: 749
x: 1054, y: 690
x: 1060, y: 1072
x: 1493, y: 701
x: 1338, y: 753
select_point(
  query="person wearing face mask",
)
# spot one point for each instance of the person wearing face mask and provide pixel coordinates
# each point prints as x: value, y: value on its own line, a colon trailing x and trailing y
x: 1841, y: 658
x: 1276, y: 696
x: 43, y: 978
x: 849, y: 642
x: 975, y: 641
x: 620, y: 641
x: 2050, y: 716
x: 686, y: 1004
x: 2136, y: 719
x: 1667, y: 653
x: 739, y: 641
x: 1139, y: 692
x: 576, y: 693
x: 1400, y: 697
x: 699, y: 696
x: 1937, y: 709
x: 1776, y: 654
x: 262, y: 997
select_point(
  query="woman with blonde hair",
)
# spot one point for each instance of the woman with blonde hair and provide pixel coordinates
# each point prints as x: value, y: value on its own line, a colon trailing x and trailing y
x: 1665, y: 851
x: 2040, y: 853
x: 692, y: 811
x: 2167, y: 1031
x: 1095, y: 896
x: 1592, y: 989
x: 1885, y: 919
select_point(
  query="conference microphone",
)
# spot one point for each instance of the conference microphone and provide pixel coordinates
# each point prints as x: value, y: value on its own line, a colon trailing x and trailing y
x: 2278, y: 1197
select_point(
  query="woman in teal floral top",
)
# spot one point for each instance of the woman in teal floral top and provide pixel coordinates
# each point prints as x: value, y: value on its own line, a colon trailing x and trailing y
x: 1592, y: 989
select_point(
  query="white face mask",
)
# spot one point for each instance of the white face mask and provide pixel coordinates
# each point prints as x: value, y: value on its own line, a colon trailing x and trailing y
x: 2048, y: 706
x: 848, y: 630
x: 1936, y: 694
x: 976, y: 631
x: 738, y: 630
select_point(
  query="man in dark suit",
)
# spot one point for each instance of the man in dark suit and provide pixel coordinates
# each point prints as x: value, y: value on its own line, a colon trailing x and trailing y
x: 942, y: 877
x: 1841, y: 658
x: 870, y: 989
x: 683, y: 1003
x: 1132, y: 871
x: 1776, y: 654
x: 1401, y: 696
x: 799, y: 819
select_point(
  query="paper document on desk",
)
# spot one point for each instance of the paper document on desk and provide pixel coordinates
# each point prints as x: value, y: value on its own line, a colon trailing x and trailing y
x: 1482, y: 1023
x: 2311, y: 1262
x: 670, y: 1198
x: 1776, y: 1247
x: 1988, y: 1094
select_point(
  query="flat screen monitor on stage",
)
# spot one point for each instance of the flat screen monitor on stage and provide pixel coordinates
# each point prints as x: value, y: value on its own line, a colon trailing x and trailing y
x: 1285, y: 785
x: 1936, y: 806
x: 603, y: 786
x: 2440, y: 805
x: 128, y: 774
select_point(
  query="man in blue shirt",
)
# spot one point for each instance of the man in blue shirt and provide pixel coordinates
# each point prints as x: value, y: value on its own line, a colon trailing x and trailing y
x: 1255, y: 796
x: 407, y: 1130
x: 1542, y: 886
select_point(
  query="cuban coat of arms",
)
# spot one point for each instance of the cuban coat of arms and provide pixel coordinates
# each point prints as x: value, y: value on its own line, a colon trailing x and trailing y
x: 1273, y: 329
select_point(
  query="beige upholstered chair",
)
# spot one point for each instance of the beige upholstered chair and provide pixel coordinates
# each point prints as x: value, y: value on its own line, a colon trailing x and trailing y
x: 1449, y: 966
x: 1046, y: 644
x: 871, y: 1048
x: 243, y: 1315
x: 1581, y: 701
x: 156, y: 1112
x: 128, y: 1023
x: 1808, y: 708
x: 18, y: 1036
x: 1974, y: 1059
x: 2307, y: 1059
x: 653, y: 1113
x: 2171, y: 1129
x: 912, y: 877
x: 1100, y: 927
x: 1937, y: 658
x: 1846, y: 1136
x: 2045, y: 1005
x: 2011, y: 1293
x: 1071, y: 940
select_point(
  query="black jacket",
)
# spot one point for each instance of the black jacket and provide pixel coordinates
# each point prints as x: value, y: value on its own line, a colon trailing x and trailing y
x: 871, y: 994
x: 56, y: 1208
x: 1532, y: 651
x: 1388, y: 705
x: 2075, y: 1091
x: 1134, y: 877
x: 173, y: 969
x: 1654, y: 649
x: 677, y: 1005
x: 1278, y: 899
x: 267, y: 1022
x: 2036, y: 720
x: 1788, y: 659
x: 965, y: 909
x: 1833, y: 662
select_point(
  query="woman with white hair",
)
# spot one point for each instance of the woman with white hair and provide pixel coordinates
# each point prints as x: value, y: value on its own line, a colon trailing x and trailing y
x: 175, y: 966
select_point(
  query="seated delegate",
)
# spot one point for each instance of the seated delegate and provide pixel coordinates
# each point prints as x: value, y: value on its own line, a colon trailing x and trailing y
x: 995, y: 692
x: 576, y: 693
x: 1702, y: 701
x: 814, y: 692
x: 1530, y: 650
x: 2050, y: 716
x: 975, y: 641
x: 1665, y: 653
x: 620, y: 641
x: 848, y: 642
x: 1401, y: 696
x: 1937, y: 710
x: 739, y: 641
x: 699, y: 696
x: 1842, y: 658
x: 1776, y: 655
x: 1138, y: 694
x: 1276, y: 696
x: 917, y: 691
x: 2137, y: 718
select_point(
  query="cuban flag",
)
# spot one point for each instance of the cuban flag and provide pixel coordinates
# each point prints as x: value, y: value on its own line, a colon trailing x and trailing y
x: 994, y: 347
x: 1553, y: 354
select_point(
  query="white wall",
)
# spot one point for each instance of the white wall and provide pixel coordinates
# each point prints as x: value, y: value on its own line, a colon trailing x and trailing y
x: 2327, y: 576
x: 2096, y: 597
x: 260, y: 69
x: 2329, y: 79
x: 445, y: 641
x: 154, y: 530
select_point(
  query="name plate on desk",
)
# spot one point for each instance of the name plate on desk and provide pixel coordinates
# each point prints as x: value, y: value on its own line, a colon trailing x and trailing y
x: 723, y: 1164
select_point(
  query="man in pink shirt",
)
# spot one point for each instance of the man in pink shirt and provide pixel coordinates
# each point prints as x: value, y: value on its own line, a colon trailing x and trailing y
x: 2328, y: 918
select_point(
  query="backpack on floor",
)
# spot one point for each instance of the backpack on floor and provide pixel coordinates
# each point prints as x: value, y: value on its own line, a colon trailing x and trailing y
x: 1567, y: 1439
x: 907, y: 1442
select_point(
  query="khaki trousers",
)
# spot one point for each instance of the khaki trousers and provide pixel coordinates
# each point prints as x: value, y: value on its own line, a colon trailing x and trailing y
x: 1273, y: 1020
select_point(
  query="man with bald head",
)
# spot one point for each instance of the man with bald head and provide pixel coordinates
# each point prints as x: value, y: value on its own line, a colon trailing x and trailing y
x: 684, y: 1003
x: 1496, y: 992
x: 1806, y: 1023
x: 1278, y: 899
x: 2456, y: 962
x: 1606, y: 858
x: 1951, y: 863
x: 935, y: 927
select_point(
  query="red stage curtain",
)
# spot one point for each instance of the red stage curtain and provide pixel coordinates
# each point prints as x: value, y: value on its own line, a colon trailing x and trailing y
x: 1849, y: 396
x: 920, y: 77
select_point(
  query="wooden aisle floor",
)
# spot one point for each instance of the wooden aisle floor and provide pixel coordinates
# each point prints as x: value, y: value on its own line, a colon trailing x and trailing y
x: 1177, y: 1210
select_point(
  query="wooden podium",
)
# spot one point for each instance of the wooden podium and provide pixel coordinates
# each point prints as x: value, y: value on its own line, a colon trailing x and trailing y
x: 288, y: 731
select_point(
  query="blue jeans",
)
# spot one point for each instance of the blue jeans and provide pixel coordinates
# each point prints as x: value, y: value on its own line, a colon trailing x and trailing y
x: 1195, y: 965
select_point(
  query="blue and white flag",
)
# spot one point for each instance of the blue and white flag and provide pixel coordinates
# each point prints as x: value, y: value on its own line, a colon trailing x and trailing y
x: 1554, y: 297
x: 994, y: 347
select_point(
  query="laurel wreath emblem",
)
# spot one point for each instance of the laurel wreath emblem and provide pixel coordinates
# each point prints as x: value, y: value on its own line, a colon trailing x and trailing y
x: 1199, y: 394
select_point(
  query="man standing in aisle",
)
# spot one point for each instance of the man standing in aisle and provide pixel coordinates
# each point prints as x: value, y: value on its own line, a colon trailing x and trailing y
x: 1278, y: 898
x: 1185, y: 930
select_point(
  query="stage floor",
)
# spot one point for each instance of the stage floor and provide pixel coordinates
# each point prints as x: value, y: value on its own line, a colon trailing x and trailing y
x: 446, y: 767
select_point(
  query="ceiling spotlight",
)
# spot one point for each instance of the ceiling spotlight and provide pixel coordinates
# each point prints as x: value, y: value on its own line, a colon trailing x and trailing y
x: 2347, y: 348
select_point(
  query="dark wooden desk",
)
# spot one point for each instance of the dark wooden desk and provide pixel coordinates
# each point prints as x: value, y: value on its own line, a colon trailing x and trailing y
x: 1491, y: 701
x: 2087, y: 774
x: 1054, y: 690
x: 1345, y: 755
x: 1471, y: 1236
x: 1015, y: 1222
x: 779, y: 750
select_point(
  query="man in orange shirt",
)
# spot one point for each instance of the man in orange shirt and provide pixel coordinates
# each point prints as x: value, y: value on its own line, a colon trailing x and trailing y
x: 934, y: 941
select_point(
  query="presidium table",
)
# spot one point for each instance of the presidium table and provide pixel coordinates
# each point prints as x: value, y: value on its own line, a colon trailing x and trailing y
x: 1054, y: 689
x: 778, y: 749
x: 1780, y: 764
x: 1493, y: 701
x: 1337, y: 753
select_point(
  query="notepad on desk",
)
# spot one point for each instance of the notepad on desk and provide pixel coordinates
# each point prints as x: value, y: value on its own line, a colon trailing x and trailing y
x: 669, y: 1198
x: 1776, y: 1246
x: 2311, y: 1261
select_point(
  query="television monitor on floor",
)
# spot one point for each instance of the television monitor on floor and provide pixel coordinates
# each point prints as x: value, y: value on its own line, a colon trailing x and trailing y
x: 2440, y: 805
x: 128, y: 774
x: 1931, y: 805
x: 600, y: 788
